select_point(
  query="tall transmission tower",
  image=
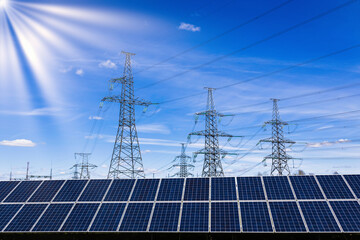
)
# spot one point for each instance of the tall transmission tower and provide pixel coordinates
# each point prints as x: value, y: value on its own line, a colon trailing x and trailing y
x: 183, y: 164
x: 279, y: 157
x: 84, y: 166
x: 212, y: 166
x: 126, y: 161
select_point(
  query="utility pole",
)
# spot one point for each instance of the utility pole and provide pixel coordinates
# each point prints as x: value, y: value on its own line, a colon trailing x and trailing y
x: 279, y: 157
x: 27, y: 171
x: 212, y: 166
x: 76, y: 174
x: 126, y: 160
x: 183, y: 164
x: 84, y: 166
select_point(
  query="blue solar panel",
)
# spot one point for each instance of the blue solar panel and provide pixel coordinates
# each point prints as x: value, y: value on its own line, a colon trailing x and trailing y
x: 108, y: 217
x: 23, y: 191
x: 7, y: 211
x: 46, y: 191
x: 170, y: 189
x: 80, y: 217
x: 334, y: 187
x: 278, y: 187
x: 136, y: 217
x: 70, y: 191
x: 286, y: 217
x: 250, y: 188
x: 225, y: 217
x: 95, y: 190
x: 195, y: 217
x: 53, y: 217
x: 223, y: 189
x: 26, y: 218
x: 354, y: 182
x: 348, y: 214
x: 120, y: 190
x: 255, y: 217
x: 196, y: 189
x: 6, y: 187
x: 318, y: 217
x: 306, y: 187
x: 165, y: 217
x: 145, y: 190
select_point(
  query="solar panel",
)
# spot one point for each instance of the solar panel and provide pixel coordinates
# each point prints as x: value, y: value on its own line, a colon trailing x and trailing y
x: 286, y: 217
x: 250, y: 188
x: 318, y: 217
x: 120, y: 190
x: 7, y: 211
x: 354, y: 182
x: 80, y: 217
x: 145, y: 190
x: 334, y: 187
x: 278, y: 187
x: 53, y: 217
x: 171, y: 189
x: 225, y: 217
x: 348, y: 214
x: 108, y: 217
x: 136, y: 217
x: 95, y: 190
x: 195, y: 217
x: 306, y: 187
x: 165, y: 217
x: 6, y: 188
x: 255, y: 217
x: 223, y: 189
x: 47, y: 191
x: 26, y: 218
x: 70, y: 191
x: 23, y: 191
x: 196, y: 189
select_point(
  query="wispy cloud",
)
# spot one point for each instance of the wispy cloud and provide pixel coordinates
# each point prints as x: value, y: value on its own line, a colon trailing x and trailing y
x: 79, y: 72
x: 18, y: 143
x: 95, y: 118
x: 327, y: 143
x: 189, y: 27
x: 34, y: 112
x: 153, y: 128
x: 107, y: 64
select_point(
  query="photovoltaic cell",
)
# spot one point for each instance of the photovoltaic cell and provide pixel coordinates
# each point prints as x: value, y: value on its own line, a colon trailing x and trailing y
x: 171, y: 189
x: 306, y: 187
x: 286, y: 217
x: 348, y: 214
x: 255, y: 217
x: 165, y: 217
x: 70, y: 191
x: 95, y: 190
x: 108, y: 217
x: 26, y: 218
x: 225, y: 217
x: 80, y: 217
x: 136, y: 217
x: 120, y: 190
x: 145, y: 190
x: 47, y: 191
x: 334, y: 187
x: 319, y: 217
x: 6, y: 187
x: 195, y: 217
x: 53, y: 217
x: 7, y: 211
x: 23, y: 191
x: 196, y: 189
x: 278, y: 187
x: 354, y: 182
x: 250, y: 188
x: 223, y: 189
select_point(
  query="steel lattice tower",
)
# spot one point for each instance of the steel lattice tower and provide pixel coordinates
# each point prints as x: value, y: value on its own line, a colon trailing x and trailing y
x: 126, y: 161
x: 279, y: 157
x: 84, y: 166
x: 183, y: 164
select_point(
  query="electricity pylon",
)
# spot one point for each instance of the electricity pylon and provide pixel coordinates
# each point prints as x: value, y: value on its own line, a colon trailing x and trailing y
x: 84, y: 166
x: 183, y: 164
x: 279, y: 157
x: 126, y: 158
x: 212, y: 166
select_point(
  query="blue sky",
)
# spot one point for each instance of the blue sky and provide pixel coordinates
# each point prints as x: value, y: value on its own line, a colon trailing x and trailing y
x: 56, y: 58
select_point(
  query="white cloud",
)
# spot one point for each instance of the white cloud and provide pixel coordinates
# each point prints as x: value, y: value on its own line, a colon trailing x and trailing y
x: 189, y: 27
x: 95, y: 118
x: 35, y: 112
x: 79, y: 72
x: 327, y: 143
x: 65, y: 70
x: 153, y: 128
x: 107, y: 64
x: 18, y: 143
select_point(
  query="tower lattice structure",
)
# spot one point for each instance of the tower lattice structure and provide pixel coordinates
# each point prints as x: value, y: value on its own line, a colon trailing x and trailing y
x: 279, y: 157
x: 183, y: 164
x: 126, y: 160
x: 84, y: 166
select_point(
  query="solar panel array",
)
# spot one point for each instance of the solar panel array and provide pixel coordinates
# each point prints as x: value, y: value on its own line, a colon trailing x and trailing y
x: 324, y: 203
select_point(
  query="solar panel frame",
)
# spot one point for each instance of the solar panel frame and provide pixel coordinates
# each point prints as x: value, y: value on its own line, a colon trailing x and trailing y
x: 293, y: 221
x: 200, y: 223
x: 225, y: 187
x: 79, y: 217
x: 145, y: 190
x: 254, y: 183
x: 107, y: 222
x: 224, y: 217
x: 165, y: 217
x: 6, y: 187
x: 306, y: 187
x: 251, y: 222
x: 95, y: 190
x: 171, y: 189
x: 120, y: 190
x: 278, y: 188
x: 50, y: 188
x: 52, y: 218
x: 70, y: 191
x: 23, y: 191
x: 192, y: 193
x: 354, y: 183
x: 136, y: 212
x: 348, y: 214
x: 7, y: 213
x: 341, y: 191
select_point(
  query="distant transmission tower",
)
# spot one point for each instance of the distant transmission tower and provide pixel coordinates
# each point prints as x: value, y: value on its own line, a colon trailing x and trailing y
x: 278, y: 156
x: 126, y: 158
x: 84, y: 166
x: 183, y: 164
x: 212, y: 166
